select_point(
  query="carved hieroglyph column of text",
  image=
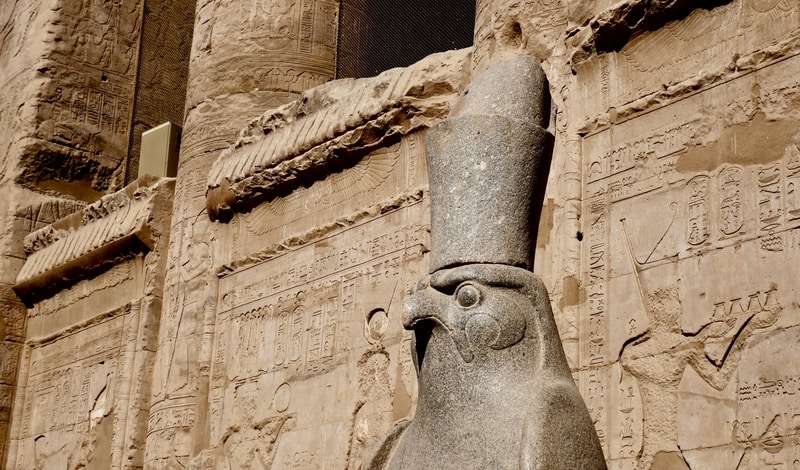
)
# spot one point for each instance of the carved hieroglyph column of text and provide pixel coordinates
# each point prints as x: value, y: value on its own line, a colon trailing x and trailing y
x: 246, y: 58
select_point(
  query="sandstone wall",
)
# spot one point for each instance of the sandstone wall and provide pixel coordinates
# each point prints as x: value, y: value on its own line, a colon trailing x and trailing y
x: 668, y: 238
x: 325, y: 210
x: 667, y: 235
x: 21, y: 211
x: 69, y: 71
x: 246, y: 57
x: 94, y: 284
x: 688, y: 137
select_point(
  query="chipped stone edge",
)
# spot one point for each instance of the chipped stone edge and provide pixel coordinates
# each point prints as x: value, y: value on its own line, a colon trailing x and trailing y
x: 611, y: 29
x: 737, y: 68
x: 102, y: 234
x: 296, y: 146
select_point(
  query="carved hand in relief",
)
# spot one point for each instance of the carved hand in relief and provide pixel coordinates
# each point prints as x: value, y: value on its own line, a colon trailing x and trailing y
x: 766, y: 317
x: 717, y: 329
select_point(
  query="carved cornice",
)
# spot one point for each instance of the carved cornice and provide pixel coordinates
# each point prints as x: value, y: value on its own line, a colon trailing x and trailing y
x: 612, y: 28
x: 330, y: 128
x: 87, y: 242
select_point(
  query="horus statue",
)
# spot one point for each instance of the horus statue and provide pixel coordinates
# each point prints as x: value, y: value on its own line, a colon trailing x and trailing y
x: 495, y: 390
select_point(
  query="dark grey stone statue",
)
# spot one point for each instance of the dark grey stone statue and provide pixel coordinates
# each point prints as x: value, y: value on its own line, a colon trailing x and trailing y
x: 495, y: 390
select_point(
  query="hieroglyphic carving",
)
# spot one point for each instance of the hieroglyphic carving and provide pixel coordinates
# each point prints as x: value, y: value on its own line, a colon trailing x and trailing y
x: 792, y: 176
x: 769, y: 190
x: 169, y: 418
x: 770, y: 206
x: 765, y: 426
x: 8, y: 366
x: 287, y: 80
x: 594, y: 335
x: 731, y: 205
x: 786, y: 385
x: 257, y: 445
x: 87, y: 103
x: 698, y: 226
x: 597, y: 238
x: 287, y: 331
x: 276, y: 20
x: 71, y: 389
x: 731, y: 201
x: 306, y: 26
x: 630, y: 418
x: 103, y: 106
x: 651, y: 147
x: 767, y: 441
x: 283, y: 327
x: 657, y: 359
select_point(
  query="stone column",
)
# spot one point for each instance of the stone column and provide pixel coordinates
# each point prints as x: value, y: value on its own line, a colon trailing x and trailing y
x: 246, y: 58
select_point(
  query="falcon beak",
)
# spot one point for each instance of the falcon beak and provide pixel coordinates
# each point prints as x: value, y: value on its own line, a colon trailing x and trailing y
x: 427, y: 308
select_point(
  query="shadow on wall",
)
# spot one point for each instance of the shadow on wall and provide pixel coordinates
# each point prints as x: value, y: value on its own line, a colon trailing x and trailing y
x: 377, y: 35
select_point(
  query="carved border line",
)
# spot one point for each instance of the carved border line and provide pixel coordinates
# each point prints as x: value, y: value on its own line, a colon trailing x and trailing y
x: 740, y: 67
x: 405, y: 199
x: 84, y: 325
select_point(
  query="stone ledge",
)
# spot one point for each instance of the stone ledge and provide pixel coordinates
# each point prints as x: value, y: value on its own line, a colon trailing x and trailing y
x: 87, y: 242
x: 330, y: 128
x: 611, y: 29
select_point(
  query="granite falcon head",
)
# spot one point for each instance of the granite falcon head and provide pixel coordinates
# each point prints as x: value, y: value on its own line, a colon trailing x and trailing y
x: 495, y: 389
x: 480, y: 306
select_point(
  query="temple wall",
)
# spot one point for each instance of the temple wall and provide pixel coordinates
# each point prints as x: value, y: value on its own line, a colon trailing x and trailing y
x: 310, y: 297
x: 93, y: 282
x: 246, y: 57
x: 688, y: 139
x: 300, y: 220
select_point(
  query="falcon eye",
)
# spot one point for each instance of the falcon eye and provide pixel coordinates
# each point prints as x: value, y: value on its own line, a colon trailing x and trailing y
x: 468, y: 295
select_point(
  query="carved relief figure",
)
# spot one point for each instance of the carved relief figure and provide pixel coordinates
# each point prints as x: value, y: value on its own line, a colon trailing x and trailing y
x: 372, y: 414
x: 251, y: 443
x: 191, y: 287
x: 658, y: 357
x: 495, y: 389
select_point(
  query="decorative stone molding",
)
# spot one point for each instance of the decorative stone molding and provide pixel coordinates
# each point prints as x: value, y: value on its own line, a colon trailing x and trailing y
x: 89, y: 241
x: 610, y: 29
x: 329, y: 128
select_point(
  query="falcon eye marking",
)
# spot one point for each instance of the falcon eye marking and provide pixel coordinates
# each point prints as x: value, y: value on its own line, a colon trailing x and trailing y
x: 467, y: 295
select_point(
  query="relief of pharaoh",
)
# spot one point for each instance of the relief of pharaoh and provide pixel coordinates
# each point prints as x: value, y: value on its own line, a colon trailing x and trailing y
x: 495, y: 390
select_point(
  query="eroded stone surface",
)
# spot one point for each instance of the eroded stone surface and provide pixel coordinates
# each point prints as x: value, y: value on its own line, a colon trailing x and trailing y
x: 680, y: 119
x: 88, y: 353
